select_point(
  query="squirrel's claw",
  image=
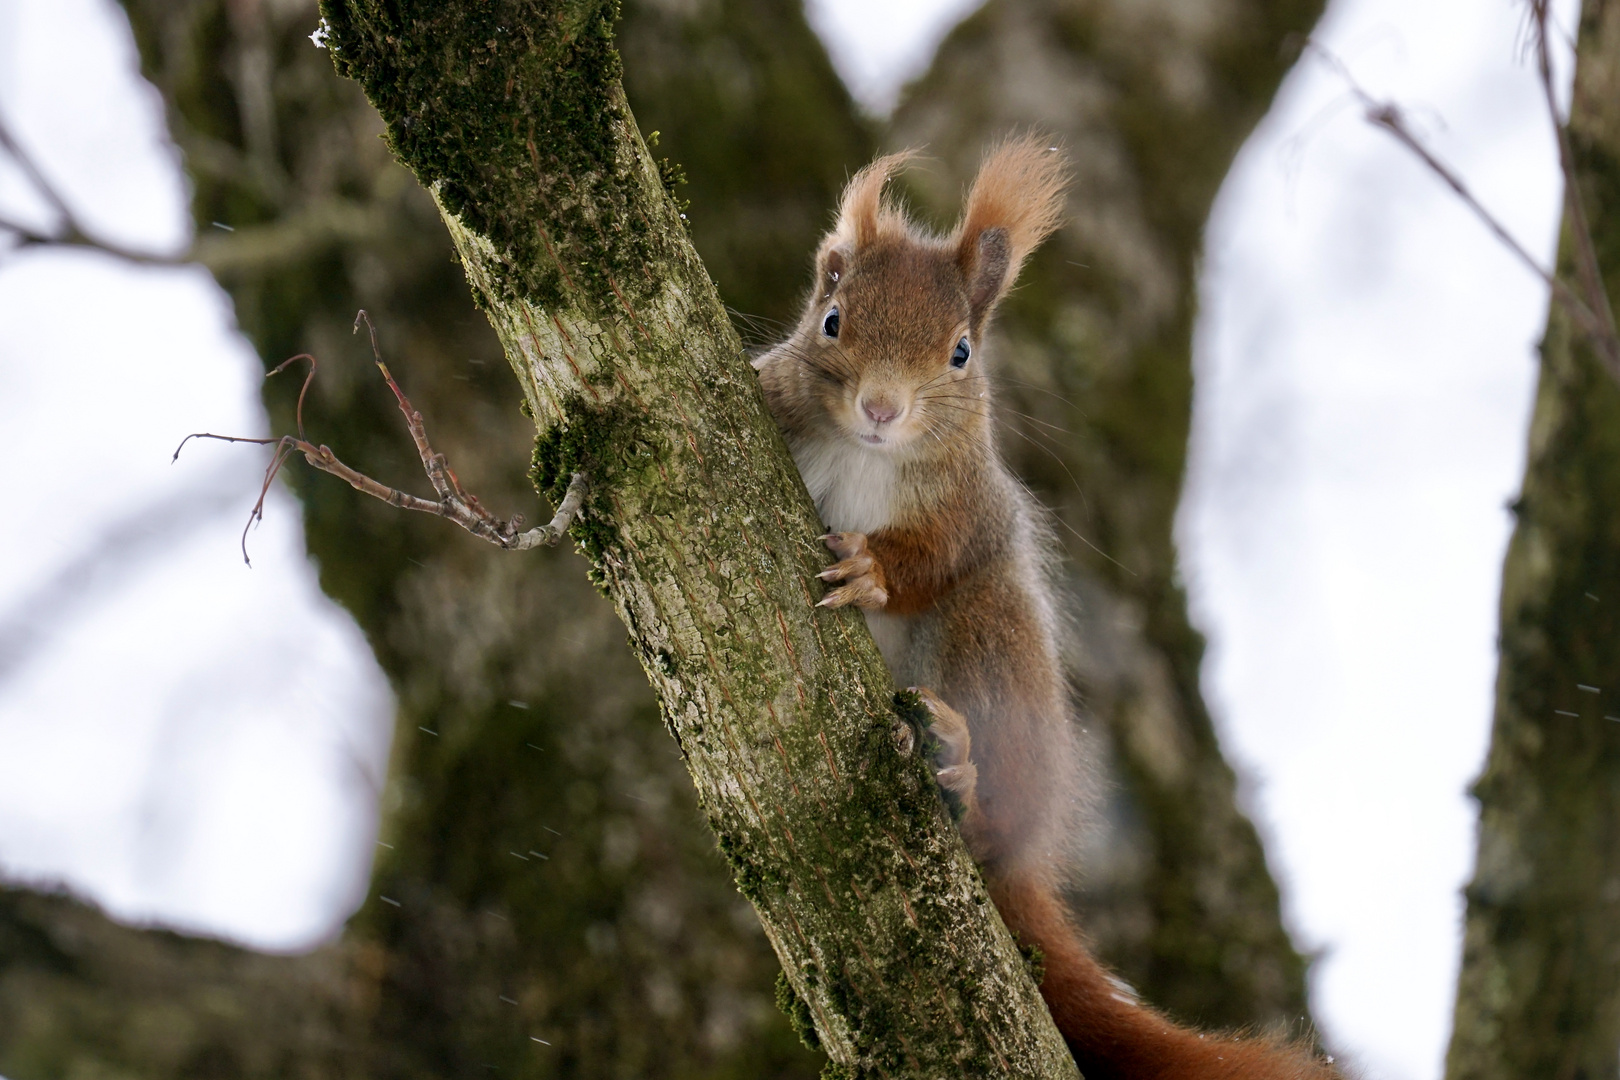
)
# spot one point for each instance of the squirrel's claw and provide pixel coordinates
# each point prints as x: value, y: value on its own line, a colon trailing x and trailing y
x: 863, y: 592
x: 845, y: 545
x: 949, y: 746
x: 859, y: 566
x: 860, y: 580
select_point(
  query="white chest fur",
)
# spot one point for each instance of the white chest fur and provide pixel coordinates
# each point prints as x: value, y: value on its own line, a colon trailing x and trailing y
x: 854, y: 488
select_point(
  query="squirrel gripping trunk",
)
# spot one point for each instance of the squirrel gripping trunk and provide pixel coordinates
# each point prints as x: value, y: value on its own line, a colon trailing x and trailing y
x: 882, y: 394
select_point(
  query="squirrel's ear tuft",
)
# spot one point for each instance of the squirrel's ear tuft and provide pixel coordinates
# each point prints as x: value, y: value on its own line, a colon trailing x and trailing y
x: 862, y: 212
x: 1015, y: 203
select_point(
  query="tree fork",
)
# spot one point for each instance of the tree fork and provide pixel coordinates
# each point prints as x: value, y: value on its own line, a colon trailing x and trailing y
x: 511, y: 113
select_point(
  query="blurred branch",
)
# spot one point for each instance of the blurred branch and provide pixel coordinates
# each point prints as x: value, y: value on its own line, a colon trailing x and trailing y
x: 1591, y: 312
x: 455, y: 502
x: 321, y: 224
x: 218, y: 159
x: 318, y: 225
x: 1586, y: 260
x: 121, y: 548
x: 69, y: 232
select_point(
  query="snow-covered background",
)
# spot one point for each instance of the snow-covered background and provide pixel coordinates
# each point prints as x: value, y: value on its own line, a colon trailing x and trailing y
x: 1364, y: 373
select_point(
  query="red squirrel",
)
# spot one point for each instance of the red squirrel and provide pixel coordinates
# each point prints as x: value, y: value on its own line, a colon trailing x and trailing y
x: 882, y: 394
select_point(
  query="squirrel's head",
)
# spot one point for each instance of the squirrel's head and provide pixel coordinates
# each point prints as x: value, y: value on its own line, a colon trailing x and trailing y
x: 887, y: 352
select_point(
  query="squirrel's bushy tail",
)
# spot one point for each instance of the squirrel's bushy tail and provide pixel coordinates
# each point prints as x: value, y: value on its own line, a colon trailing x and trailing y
x: 1111, y: 1034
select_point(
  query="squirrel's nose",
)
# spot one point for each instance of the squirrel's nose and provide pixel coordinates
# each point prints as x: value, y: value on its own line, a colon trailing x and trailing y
x: 880, y: 410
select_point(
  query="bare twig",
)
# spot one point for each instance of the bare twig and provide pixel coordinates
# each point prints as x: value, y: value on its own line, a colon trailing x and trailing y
x: 454, y: 502
x: 1586, y: 261
x: 294, y: 233
x: 553, y: 530
x: 69, y: 232
x: 1591, y: 312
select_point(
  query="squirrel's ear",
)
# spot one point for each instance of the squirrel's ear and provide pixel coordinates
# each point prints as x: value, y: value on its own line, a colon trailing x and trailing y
x: 832, y: 263
x: 862, y: 213
x: 987, y: 272
x: 1015, y: 203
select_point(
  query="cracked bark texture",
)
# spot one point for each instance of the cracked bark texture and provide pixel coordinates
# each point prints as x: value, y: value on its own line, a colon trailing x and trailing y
x: 1153, y: 100
x: 629, y: 950
x: 1538, y: 994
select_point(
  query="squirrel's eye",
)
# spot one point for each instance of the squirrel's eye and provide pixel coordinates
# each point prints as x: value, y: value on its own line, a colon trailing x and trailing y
x: 829, y: 325
x: 959, y: 358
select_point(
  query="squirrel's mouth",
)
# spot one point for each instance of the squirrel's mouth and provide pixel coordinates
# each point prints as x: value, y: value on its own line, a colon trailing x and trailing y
x: 887, y: 442
x: 885, y: 438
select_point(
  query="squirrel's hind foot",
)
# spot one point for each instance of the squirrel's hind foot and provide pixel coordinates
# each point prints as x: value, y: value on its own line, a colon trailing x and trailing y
x: 949, y: 746
x: 858, y: 577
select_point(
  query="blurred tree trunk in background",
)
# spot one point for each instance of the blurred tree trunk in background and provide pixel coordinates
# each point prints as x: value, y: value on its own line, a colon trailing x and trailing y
x: 1539, y: 991
x: 1153, y: 101
x: 630, y: 942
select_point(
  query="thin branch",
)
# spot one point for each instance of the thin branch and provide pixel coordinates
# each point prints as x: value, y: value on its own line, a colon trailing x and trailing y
x: 1592, y: 313
x: 32, y: 171
x: 1586, y: 260
x: 70, y: 232
x: 220, y: 160
x: 312, y: 227
x: 290, y: 235
x: 553, y: 530
x: 454, y: 503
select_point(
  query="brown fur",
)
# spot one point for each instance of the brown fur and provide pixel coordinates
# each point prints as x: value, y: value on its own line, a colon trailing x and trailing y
x: 945, y: 552
x: 1115, y: 1037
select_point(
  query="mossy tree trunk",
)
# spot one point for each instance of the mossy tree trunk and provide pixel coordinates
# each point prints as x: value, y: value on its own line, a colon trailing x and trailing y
x: 698, y: 528
x: 1539, y: 990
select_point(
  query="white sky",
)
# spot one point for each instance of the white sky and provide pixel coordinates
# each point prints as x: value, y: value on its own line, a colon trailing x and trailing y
x: 185, y: 739
x: 1364, y: 370
x: 880, y: 46
x: 1364, y: 378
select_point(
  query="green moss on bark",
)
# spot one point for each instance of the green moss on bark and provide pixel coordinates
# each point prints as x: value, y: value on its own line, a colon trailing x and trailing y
x: 509, y: 104
x: 612, y: 445
x: 797, y: 1012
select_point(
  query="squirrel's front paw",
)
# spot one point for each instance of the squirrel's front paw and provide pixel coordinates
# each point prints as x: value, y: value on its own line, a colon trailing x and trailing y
x: 857, y: 575
x: 949, y: 745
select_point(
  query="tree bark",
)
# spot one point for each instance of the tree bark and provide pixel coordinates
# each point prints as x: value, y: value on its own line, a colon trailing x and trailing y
x: 1539, y: 990
x: 698, y: 528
